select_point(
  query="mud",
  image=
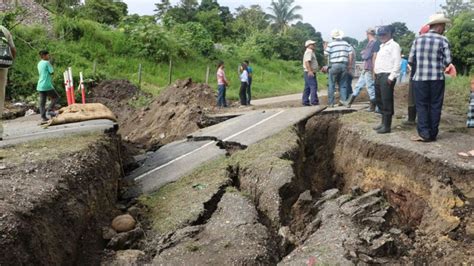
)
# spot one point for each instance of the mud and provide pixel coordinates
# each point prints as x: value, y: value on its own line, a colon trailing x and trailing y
x: 53, y: 201
x: 175, y: 113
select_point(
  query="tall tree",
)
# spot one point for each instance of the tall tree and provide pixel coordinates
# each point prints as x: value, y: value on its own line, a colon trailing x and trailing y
x: 162, y: 8
x: 283, y: 14
x: 249, y: 20
x: 403, y: 36
x: 460, y: 37
x: 455, y: 7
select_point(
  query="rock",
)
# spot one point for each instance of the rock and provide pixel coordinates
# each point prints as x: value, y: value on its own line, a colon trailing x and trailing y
x: 383, y: 246
x: 470, y: 229
x: 365, y: 258
x: 343, y: 199
x: 123, y: 223
x: 30, y: 112
x: 125, y: 240
x: 121, y: 207
x: 327, y: 195
x: 127, y: 257
x: 108, y: 233
x: 305, y: 197
x: 356, y: 191
x: 395, y: 231
x: 368, y: 234
x: 134, y: 211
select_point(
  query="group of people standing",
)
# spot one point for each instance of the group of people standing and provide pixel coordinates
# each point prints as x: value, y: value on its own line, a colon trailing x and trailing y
x: 245, y: 76
x: 429, y: 59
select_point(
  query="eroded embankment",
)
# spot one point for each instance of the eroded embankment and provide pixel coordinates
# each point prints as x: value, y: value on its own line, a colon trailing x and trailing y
x: 316, y: 193
x: 55, y: 195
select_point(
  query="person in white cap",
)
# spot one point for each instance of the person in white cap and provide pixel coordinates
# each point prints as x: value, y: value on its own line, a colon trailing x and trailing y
x: 7, y: 55
x: 339, y: 54
x: 431, y: 54
x: 310, y: 66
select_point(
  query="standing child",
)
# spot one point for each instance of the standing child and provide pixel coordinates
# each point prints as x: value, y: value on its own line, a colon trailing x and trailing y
x: 244, y: 83
x: 249, y: 88
x: 45, y: 87
x: 222, y: 84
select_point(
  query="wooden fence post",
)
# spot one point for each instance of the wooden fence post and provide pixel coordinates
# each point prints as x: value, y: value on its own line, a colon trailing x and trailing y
x: 207, y: 74
x: 170, y: 72
x: 139, y: 76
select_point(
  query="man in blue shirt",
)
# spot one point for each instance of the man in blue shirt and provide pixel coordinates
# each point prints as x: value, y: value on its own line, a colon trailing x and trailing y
x: 249, y: 87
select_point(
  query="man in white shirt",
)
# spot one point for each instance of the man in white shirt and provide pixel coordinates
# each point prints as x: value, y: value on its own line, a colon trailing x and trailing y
x: 6, y: 42
x: 386, y: 69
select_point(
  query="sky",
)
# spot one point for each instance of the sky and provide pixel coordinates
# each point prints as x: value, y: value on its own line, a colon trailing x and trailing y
x: 353, y: 17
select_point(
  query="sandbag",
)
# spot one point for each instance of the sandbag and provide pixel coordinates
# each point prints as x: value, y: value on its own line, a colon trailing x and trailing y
x: 82, y: 112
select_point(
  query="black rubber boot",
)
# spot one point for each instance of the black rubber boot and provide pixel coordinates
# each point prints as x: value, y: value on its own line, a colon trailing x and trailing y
x: 387, y: 125
x: 411, y: 121
x: 381, y: 124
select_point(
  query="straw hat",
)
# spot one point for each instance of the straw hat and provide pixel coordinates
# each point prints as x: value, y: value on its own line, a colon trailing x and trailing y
x: 309, y: 42
x: 438, y: 19
x: 337, y: 34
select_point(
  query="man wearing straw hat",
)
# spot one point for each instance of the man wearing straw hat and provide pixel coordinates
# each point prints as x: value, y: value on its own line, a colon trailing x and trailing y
x: 310, y: 66
x: 431, y: 54
x: 339, y: 54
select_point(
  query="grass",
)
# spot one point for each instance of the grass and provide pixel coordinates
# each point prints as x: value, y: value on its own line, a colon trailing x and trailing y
x: 456, y: 99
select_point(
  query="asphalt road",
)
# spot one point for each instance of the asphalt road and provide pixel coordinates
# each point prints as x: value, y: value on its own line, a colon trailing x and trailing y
x: 26, y: 129
x: 176, y: 159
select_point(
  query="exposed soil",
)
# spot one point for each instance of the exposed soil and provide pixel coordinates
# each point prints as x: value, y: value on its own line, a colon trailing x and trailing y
x: 54, y: 197
x: 175, y: 113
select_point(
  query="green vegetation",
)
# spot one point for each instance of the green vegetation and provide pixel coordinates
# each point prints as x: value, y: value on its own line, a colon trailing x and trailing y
x: 456, y: 99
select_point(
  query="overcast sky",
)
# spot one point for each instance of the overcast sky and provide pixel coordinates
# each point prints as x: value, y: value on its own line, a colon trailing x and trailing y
x: 351, y: 16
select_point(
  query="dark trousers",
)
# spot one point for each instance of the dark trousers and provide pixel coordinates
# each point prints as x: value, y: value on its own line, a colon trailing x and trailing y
x: 243, y: 93
x: 384, y: 94
x: 349, y: 90
x: 249, y: 91
x: 310, y: 90
x: 221, y: 102
x: 411, y: 94
x: 429, y: 97
x: 43, y: 97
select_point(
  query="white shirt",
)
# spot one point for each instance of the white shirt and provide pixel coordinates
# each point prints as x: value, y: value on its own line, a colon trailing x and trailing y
x: 388, y: 59
x: 244, y: 76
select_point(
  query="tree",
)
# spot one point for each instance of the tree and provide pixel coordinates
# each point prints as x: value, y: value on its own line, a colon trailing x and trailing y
x: 104, y: 11
x: 310, y: 33
x: 211, y: 20
x: 248, y: 21
x: 283, y: 13
x: 455, y: 7
x: 161, y: 9
x: 460, y: 37
x: 208, y: 5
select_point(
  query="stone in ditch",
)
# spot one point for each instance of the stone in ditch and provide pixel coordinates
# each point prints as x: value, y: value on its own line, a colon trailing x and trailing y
x: 383, y: 246
x: 123, y: 223
x: 395, y: 231
x: 343, y: 199
x: 368, y: 234
x: 108, y: 233
x: 356, y: 191
x: 305, y: 197
x: 373, y: 221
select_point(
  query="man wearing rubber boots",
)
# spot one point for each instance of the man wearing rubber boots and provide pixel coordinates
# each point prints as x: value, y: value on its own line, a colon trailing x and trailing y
x: 431, y: 54
x: 386, y: 69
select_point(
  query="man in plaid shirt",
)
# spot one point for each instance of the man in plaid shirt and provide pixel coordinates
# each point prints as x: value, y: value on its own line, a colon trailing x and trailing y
x: 470, y: 112
x: 430, y: 52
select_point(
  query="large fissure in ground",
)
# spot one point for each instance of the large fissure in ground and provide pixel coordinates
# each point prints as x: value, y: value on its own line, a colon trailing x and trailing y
x: 323, y: 193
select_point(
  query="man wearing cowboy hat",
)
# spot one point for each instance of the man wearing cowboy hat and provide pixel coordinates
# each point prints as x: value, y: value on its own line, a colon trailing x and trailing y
x: 386, y: 69
x: 339, y: 54
x: 431, y: 54
x: 310, y: 66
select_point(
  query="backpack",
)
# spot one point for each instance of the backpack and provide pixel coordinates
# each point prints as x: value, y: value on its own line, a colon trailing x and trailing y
x: 6, y: 58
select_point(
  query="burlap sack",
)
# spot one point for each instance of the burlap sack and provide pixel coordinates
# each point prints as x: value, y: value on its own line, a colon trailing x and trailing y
x: 82, y: 112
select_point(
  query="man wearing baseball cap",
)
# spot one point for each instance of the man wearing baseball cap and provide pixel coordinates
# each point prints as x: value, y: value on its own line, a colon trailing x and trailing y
x: 431, y: 54
x: 310, y: 66
x: 386, y: 69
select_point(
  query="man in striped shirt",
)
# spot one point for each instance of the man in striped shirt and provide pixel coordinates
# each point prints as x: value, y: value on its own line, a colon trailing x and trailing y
x: 339, y: 54
x: 431, y: 54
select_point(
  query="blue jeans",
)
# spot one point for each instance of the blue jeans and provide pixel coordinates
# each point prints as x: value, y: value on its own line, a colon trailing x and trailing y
x: 365, y: 80
x: 249, y: 91
x: 337, y: 73
x: 221, y: 96
x: 429, y: 97
x: 310, y: 90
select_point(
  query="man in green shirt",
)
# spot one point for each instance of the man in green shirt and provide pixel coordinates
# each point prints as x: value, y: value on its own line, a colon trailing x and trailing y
x: 45, y: 86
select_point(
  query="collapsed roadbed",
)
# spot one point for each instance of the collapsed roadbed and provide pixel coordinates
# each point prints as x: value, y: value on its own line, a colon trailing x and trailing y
x: 319, y: 192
